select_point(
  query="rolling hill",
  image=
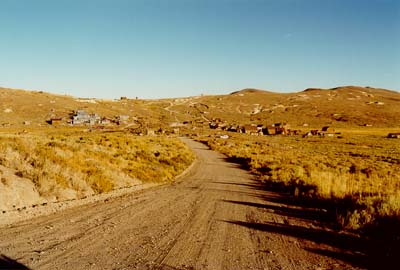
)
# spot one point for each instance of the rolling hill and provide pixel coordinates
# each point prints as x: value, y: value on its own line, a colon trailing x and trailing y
x: 346, y: 106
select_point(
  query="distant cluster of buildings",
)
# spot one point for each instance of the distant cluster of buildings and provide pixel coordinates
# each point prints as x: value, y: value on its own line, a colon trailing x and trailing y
x: 274, y: 129
x: 253, y: 129
x: 82, y: 117
x: 326, y: 131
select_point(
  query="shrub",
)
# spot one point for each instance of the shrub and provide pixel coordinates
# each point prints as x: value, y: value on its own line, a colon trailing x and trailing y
x: 359, y: 175
x: 92, y: 162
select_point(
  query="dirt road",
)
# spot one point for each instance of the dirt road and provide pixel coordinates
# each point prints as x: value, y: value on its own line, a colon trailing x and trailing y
x: 216, y: 217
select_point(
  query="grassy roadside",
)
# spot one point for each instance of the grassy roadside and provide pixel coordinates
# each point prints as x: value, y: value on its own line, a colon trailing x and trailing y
x: 357, y: 177
x: 76, y: 164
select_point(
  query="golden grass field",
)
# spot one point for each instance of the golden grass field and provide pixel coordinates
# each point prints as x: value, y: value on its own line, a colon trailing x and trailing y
x: 360, y: 169
x: 75, y: 164
x: 359, y: 173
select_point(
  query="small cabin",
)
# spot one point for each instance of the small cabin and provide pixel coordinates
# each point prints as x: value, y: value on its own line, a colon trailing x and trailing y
x: 250, y: 129
x: 55, y: 121
x: 106, y: 121
x: 232, y: 129
x: 269, y: 130
x: 394, y: 135
x: 213, y: 125
x: 328, y: 129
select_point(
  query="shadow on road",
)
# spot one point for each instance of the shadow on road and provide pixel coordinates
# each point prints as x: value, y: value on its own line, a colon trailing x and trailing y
x: 289, y: 206
x: 358, y: 251
x: 313, y: 215
x: 9, y: 264
x: 348, y: 245
x: 362, y: 252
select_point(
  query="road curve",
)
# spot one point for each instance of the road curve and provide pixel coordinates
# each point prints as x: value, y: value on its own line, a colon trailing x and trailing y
x: 216, y: 217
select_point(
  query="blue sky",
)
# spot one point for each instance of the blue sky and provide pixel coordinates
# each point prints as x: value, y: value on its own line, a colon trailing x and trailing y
x: 172, y: 48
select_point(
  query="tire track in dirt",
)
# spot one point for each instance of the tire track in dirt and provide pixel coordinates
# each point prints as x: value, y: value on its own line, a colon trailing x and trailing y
x: 216, y: 217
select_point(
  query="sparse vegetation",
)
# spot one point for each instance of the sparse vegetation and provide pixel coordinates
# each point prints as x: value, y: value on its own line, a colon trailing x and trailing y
x: 347, y: 106
x: 353, y: 178
x: 359, y: 174
x: 74, y: 165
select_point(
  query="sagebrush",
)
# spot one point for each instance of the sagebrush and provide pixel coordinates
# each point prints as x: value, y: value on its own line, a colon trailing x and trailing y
x: 74, y: 165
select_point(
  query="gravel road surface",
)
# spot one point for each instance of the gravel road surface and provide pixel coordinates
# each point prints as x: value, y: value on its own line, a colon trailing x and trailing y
x: 216, y: 217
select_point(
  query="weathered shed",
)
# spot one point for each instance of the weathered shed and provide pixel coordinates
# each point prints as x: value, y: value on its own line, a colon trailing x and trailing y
x: 328, y: 129
x: 55, y: 121
x: 269, y: 130
x: 232, y: 129
x: 106, y: 121
x: 250, y: 129
x: 213, y: 125
x: 395, y: 135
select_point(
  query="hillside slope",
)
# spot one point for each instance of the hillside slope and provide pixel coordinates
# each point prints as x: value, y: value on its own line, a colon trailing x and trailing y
x: 33, y: 108
x: 342, y: 107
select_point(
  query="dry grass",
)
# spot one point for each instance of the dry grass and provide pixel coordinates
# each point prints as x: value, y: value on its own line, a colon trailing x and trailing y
x: 35, y: 107
x: 360, y: 173
x: 340, y: 107
x: 76, y: 164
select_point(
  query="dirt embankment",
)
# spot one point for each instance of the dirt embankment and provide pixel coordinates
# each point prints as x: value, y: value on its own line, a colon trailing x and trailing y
x: 16, y: 192
x: 216, y: 217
